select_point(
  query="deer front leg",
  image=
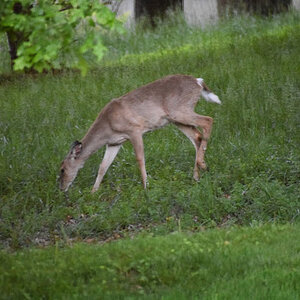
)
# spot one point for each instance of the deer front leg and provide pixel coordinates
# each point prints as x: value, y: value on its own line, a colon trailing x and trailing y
x: 138, y: 145
x: 109, y: 156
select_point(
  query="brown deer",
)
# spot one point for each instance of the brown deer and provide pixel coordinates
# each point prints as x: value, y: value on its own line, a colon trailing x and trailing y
x: 171, y: 99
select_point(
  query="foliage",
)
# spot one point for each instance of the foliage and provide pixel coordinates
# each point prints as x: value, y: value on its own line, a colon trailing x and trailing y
x: 56, y: 34
x: 261, y: 262
x: 253, y: 154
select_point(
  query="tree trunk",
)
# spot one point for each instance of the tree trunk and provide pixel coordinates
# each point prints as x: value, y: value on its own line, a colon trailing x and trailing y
x: 14, y: 41
x: 15, y: 38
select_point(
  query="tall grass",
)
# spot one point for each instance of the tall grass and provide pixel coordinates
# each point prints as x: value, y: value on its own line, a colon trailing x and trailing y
x: 253, y: 155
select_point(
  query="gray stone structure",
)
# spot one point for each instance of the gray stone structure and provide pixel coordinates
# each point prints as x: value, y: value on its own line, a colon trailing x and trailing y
x: 296, y: 4
x: 196, y: 12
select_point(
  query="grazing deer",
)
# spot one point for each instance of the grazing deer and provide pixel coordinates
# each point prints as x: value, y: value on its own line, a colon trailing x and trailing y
x: 171, y: 99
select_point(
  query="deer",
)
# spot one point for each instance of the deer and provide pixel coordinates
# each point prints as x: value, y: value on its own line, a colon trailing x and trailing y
x: 171, y: 99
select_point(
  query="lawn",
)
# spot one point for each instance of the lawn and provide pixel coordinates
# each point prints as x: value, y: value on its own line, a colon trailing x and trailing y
x: 260, y: 262
x: 253, y: 179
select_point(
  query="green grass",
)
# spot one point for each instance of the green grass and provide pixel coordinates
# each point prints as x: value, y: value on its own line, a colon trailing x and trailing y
x: 239, y: 263
x: 253, y: 155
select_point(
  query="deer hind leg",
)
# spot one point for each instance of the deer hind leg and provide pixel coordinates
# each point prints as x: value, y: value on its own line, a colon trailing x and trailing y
x: 109, y: 156
x: 138, y: 145
x: 192, y: 120
x: 206, y: 124
x: 194, y: 135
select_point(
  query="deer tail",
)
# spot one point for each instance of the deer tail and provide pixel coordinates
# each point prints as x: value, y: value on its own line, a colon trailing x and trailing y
x: 207, y: 94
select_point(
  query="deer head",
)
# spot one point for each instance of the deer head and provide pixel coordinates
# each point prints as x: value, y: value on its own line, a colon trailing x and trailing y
x: 70, y: 166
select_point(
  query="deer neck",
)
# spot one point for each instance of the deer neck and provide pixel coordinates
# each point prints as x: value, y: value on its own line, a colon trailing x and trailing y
x: 93, y: 140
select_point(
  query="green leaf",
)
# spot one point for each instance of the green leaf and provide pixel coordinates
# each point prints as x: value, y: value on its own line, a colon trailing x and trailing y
x: 82, y: 65
x: 88, y: 44
x: 99, y: 50
x: 20, y: 63
x: 49, y: 34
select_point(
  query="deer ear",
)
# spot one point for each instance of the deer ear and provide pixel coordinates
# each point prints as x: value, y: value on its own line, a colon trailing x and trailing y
x: 76, y: 149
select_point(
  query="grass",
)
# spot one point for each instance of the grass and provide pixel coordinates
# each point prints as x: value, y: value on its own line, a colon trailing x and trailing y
x: 253, y: 155
x: 261, y: 262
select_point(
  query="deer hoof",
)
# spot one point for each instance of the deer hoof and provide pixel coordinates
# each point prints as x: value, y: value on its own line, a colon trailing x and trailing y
x: 196, y: 175
x: 94, y: 190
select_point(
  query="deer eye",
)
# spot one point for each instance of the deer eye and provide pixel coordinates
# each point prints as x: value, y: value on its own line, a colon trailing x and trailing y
x: 62, y: 171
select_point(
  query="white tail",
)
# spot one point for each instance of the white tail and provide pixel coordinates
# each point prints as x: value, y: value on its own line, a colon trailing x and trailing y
x: 171, y: 99
x: 208, y: 95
